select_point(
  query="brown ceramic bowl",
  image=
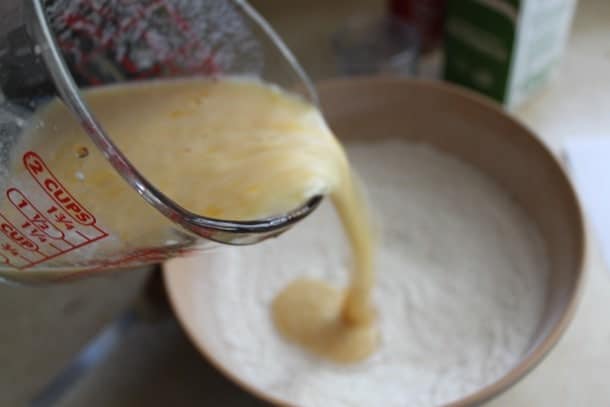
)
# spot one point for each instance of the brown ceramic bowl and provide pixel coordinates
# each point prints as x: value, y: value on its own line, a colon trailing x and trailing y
x: 477, y: 131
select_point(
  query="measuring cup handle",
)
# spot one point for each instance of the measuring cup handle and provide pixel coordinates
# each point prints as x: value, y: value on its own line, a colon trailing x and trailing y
x: 23, y: 74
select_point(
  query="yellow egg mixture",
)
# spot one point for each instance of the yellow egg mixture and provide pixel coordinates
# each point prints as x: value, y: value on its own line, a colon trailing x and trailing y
x: 232, y: 149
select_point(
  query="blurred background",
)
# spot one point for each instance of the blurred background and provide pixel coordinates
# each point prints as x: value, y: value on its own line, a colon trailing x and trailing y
x: 552, y: 72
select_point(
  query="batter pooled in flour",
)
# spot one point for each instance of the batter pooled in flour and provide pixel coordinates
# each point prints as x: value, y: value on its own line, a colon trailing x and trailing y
x: 461, y: 285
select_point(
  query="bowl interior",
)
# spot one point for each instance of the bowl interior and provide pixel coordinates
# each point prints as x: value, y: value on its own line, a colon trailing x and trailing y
x: 468, y: 127
x: 476, y: 131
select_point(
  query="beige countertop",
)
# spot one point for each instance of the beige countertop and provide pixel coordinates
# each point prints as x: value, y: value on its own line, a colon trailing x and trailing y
x: 155, y: 365
x: 577, y: 104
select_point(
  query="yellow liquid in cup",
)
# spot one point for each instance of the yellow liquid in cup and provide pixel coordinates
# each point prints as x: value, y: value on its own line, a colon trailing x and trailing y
x: 230, y: 149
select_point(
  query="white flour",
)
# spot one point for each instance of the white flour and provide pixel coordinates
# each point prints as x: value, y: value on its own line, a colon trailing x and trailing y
x: 461, y: 284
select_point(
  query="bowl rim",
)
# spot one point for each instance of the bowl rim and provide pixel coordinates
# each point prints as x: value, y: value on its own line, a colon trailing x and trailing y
x: 535, y: 355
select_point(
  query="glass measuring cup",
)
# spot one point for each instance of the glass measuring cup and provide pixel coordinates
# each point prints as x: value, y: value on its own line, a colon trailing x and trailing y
x: 53, y: 49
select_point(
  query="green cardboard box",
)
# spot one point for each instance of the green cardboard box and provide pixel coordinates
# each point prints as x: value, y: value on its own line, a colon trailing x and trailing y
x: 505, y: 49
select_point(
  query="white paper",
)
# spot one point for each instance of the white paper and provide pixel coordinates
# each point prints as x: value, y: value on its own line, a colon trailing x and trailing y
x: 589, y: 165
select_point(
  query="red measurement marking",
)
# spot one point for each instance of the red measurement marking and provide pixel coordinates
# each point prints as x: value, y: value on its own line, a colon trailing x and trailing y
x: 153, y: 255
x: 55, y: 247
x: 10, y: 231
x: 39, y: 222
x: 9, y: 249
x: 132, y: 260
x: 11, y: 254
x: 61, y: 218
x: 34, y: 232
x: 35, y: 263
x: 60, y: 226
x: 81, y: 235
x: 55, y: 190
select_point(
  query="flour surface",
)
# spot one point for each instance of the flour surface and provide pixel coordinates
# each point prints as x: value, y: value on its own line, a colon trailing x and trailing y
x: 461, y: 285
